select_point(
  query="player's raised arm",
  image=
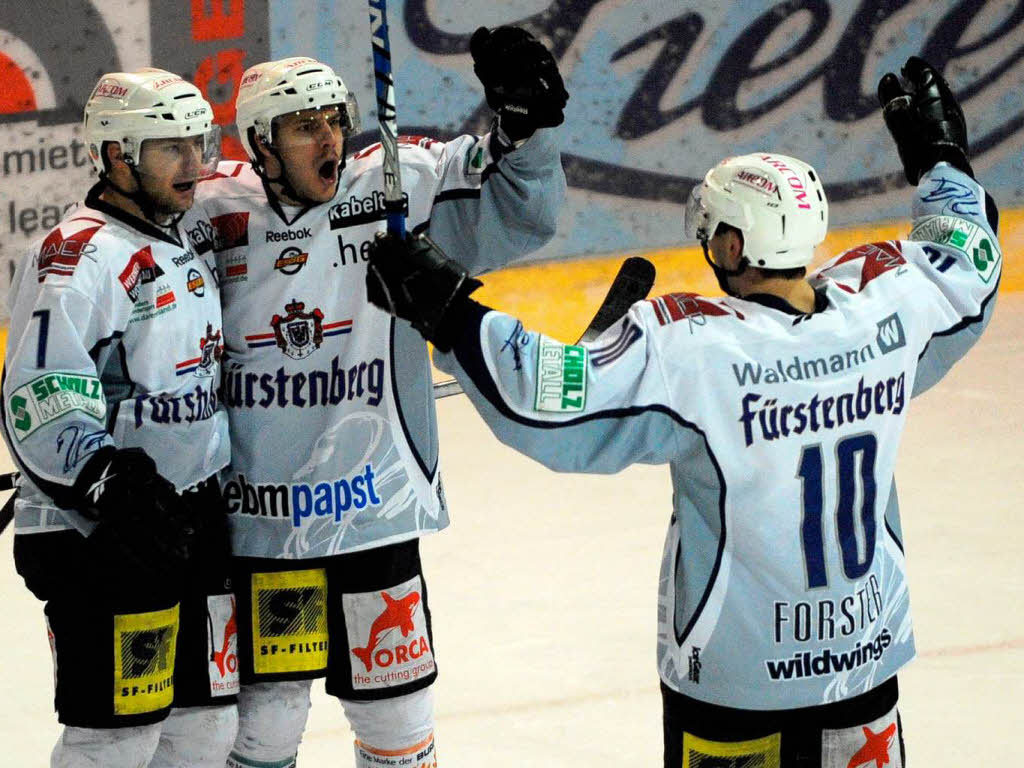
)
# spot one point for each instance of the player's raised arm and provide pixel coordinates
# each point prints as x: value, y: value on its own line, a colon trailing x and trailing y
x: 607, y: 399
x: 498, y: 196
x: 955, y: 222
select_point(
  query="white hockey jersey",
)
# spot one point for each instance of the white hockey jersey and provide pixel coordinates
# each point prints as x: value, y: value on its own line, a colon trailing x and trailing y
x: 333, y: 428
x: 783, y: 581
x: 115, y: 339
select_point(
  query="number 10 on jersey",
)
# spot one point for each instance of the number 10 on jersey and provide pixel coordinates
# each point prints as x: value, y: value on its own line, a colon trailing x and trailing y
x: 855, y: 468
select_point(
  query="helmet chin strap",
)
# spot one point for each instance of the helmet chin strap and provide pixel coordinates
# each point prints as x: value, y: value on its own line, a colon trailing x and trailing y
x: 721, y: 273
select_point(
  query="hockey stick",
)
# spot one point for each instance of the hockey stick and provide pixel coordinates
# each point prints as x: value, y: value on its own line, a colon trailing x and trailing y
x: 394, y: 203
x: 632, y: 284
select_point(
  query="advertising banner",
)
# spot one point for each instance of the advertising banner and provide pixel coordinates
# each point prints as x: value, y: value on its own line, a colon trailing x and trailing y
x: 660, y: 90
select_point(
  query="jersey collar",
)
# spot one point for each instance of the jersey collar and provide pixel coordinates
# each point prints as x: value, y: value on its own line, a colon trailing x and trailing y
x: 774, y: 302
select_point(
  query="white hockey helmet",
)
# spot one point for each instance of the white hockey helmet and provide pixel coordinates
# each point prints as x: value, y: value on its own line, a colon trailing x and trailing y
x: 131, y: 107
x: 277, y: 88
x: 777, y: 202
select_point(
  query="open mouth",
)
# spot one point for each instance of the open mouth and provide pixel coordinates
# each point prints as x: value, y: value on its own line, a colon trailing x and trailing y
x: 184, y: 186
x: 328, y: 170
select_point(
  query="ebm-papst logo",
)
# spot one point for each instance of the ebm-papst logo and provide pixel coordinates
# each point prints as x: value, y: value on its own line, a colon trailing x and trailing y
x: 300, y: 501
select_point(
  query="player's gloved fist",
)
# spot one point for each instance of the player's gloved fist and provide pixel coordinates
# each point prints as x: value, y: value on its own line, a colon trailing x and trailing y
x: 142, y: 521
x: 520, y: 79
x: 412, y: 279
x: 924, y: 118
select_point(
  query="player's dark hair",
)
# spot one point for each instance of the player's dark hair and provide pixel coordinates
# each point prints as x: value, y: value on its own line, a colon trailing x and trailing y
x: 793, y: 273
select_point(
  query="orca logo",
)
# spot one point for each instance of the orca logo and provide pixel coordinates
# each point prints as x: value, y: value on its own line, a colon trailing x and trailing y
x: 890, y: 334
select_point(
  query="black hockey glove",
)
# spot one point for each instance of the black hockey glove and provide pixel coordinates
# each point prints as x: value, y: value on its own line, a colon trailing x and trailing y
x: 924, y: 118
x: 412, y: 279
x: 142, y: 521
x: 520, y: 79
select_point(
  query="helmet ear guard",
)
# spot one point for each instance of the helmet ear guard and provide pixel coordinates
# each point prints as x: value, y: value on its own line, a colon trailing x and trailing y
x: 777, y: 202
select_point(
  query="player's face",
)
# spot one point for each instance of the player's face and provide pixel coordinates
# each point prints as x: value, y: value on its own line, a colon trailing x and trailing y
x: 310, y: 144
x: 170, y: 170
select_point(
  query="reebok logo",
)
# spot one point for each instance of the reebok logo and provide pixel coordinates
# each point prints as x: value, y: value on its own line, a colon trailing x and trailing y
x: 283, y: 237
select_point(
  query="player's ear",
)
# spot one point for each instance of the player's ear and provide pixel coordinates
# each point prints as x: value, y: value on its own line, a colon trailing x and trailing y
x: 263, y: 147
x: 112, y: 154
x: 734, y: 242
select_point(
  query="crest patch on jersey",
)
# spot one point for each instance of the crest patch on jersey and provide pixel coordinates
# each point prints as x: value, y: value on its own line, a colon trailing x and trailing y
x: 51, y: 396
x: 210, y: 352
x: 561, y: 377
x: 966, y: 237
x: 59, y: 255
x: 298, y: 333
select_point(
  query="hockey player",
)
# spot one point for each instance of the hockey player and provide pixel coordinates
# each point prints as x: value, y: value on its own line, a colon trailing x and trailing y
x: 334, y: 474
x: 110, y: 411
x: 783, y: 605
